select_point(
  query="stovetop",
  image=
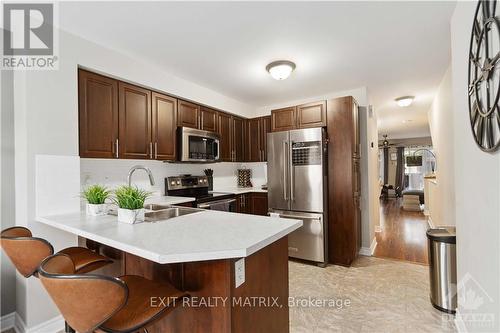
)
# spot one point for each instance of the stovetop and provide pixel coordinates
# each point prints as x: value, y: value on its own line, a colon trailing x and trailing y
x: 194, y: 187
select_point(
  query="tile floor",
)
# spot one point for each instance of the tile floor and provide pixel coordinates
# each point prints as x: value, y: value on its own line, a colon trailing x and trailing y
x: 385, y: 296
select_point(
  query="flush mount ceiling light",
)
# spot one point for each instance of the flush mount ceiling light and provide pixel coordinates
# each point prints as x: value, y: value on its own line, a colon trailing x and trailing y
x: 405, y: 101
x: 281, y: 69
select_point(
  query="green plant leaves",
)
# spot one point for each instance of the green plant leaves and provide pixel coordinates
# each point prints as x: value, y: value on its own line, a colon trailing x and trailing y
x: 130, y: 197
x: 96, y: 194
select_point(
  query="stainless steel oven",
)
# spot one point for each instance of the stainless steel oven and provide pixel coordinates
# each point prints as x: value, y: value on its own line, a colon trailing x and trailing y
x: 224, y: 205
x: 197, y: 145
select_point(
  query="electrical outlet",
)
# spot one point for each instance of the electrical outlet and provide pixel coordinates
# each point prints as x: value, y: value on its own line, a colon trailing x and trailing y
x: 239, y: 272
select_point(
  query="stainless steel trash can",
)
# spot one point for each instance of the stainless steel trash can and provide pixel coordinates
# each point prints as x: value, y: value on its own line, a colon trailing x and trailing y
x: 443, y: 268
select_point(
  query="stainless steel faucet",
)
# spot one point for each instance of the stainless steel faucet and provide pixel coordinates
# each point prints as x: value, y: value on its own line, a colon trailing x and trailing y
x: 141, y: 167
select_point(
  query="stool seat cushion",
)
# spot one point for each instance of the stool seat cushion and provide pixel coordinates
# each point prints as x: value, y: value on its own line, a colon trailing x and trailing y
x: 85, y: 260
x: 147, y: 301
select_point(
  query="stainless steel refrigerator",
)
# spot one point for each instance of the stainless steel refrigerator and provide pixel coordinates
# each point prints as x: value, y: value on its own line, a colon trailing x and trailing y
x: 297, y: 188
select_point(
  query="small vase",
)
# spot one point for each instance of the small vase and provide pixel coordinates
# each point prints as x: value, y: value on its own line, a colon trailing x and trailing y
x: 97, y: 209
x: 131, y: 216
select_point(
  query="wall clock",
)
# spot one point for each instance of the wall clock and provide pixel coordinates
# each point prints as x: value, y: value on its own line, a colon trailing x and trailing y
x: 484, y: 77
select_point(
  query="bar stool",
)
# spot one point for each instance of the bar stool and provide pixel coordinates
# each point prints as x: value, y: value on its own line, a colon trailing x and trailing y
x: 27, y: 252
x: 97, y: 302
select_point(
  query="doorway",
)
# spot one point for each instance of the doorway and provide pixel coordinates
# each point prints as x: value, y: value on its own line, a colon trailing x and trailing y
x: 403, y: 225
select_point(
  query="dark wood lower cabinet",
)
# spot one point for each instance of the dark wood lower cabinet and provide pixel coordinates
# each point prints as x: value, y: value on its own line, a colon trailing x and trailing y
x: 254, y: 203
x: 266, y: 275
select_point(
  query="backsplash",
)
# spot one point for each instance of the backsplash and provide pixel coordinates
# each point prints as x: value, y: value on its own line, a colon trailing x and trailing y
x: 114, y: 172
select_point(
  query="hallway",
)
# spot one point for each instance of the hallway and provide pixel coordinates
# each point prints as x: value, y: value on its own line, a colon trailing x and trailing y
x: 402, y: 235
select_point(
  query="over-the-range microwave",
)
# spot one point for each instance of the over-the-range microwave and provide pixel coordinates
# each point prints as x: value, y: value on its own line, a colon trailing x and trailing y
x: 197, y: 145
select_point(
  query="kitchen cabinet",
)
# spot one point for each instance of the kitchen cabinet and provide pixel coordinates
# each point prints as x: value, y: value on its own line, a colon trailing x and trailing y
x: 164, y: 126
x: 301, y: 116
x: 265, y: 129
x: 311, y: 115
x: 252, y: 203
x: 257, y: 203
x: 208, y: 119
x: 284, y: 119
x: 238, y: 142
x: 98, y: 115
x: 253, y: 140
x: 344, y: 181
x: 224, y: 129
x: 188, y: 114
x: 134, y: 114
x: 256, y: 130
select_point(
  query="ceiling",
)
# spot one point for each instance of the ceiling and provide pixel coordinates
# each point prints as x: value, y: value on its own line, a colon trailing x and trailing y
x: 392, y: 48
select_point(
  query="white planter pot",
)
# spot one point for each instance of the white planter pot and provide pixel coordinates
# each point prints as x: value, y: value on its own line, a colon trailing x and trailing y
x: 131, y: 216
x: 97, y: 210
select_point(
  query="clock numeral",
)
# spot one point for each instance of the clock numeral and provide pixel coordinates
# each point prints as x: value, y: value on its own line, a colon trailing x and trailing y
x: 488, y: 132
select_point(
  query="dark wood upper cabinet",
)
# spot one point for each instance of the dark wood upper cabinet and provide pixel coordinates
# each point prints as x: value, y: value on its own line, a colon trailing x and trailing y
x: 253, y: 139
x: 311, y: 115
x: 164, y: 126
x: 188, y: 114
x: 224, y: 129
x: 238, y: 139
x: 134, y: 122
x: 98, y: 115
x: 265, y: 128
x: 208, y: 119
x: 284, y: 119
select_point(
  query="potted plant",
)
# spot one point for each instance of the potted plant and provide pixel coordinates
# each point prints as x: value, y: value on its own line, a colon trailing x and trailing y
x: 96, y: 196
x: 130, y: 201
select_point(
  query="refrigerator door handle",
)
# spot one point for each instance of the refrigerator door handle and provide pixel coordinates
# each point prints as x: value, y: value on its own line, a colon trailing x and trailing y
x: 285, y: 163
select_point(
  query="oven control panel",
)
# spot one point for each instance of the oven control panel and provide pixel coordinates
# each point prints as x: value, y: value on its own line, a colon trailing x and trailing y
x: 185, y: 182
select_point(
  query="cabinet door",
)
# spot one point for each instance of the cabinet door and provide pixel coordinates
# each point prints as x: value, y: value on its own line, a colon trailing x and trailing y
x: 238, y: 139
x: 253, y: 140
x: 208, y: 119
x: 258, y: 203
x: 98, y: 115
x: 164, y: 125
x: 188, y: 114
x: 135, y: 122
x: 224, y: 128
x: 284, y: 119
x: 264, y: 128
x: 311, y: 115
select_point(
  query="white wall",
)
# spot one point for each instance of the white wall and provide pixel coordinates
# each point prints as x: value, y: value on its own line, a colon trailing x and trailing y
x: 46, y: 122
x: 370, y: 189
x: 441, y: 115
x: 114, y: 172
x: 477, y: 192
x: 7, y: 174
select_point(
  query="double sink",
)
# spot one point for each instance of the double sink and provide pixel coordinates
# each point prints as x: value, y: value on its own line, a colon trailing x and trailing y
x: 157, y: 212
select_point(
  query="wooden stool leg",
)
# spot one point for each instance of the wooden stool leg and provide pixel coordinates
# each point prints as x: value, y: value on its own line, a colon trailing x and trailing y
x: 68, y: 329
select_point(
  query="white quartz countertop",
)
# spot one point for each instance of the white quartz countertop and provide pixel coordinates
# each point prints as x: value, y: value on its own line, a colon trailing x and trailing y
x: 205, y: 235
x: 239, y: 190
x: 168, y: 200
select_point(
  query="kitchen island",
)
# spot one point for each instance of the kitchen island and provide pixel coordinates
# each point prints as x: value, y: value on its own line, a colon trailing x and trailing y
x: 198, y: 253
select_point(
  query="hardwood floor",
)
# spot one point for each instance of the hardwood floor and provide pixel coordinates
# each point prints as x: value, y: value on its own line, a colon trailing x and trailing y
x: 402, y: 234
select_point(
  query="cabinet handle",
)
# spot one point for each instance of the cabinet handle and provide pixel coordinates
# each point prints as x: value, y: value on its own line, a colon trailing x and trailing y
x: 151, y: 150
x: 156, y: 150
x: 117, y: 149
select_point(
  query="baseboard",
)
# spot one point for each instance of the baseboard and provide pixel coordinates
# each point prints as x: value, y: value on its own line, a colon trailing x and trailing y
x: 368, y: 251
x: 459, y: 323
x: 8, y: 321
x: 53, y: 325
